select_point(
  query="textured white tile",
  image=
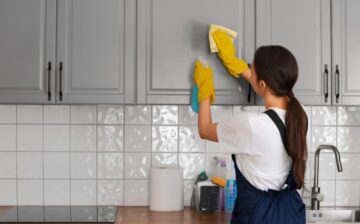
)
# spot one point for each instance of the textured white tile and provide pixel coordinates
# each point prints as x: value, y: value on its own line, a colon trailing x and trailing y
x: 136, y: 193
x: 240, y: 109
x: 110, y: 138
x: 213, y: 147
x: 138, y: 138
x: 111, y: 192
x: 188, y: 191
x: 56, y: 114
x: 137, y: 165
x: 351, y: 167
x: 111, y: 114
x: 107, y: 213
x: 327, y: 166
x: 8, y: 192
x: 7, y: 137
x: 164, y: 159
x: 7, y: 165
x: 29, y: 114
x: 163, y: 115
x: 187, y: 116
x: 348, y: 139
x: 56, y: 137
x: 165, y: 138
x: 189, y: 139
x: 110, y: 165
x: 30, y: 137
x: 83, y: 165
x: 84, y: 114
x: 83, y: 192
x: 7, y: 114
x: 139, y: 114
x: 322, y: 135
x: 348, y: 193
x: 348, y: 115
x: 192, y: 163
x: 221, y: 113
x: 56, y: 192
x: 83, y: 137
x: 30, y: 164
x: 324, y: 115
x: 57, y: 165
x: 327, y: 188
x: 30, y: 192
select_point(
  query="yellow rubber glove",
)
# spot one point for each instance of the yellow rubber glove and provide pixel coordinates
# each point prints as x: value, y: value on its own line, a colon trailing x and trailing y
x: 203, y: 77
x: 234, y: 65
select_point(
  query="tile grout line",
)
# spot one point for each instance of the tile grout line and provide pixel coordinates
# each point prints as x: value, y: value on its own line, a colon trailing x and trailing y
x: 17, y: 180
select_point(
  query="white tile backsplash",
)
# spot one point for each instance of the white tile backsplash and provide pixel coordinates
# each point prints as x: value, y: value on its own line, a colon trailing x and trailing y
x: 56, y: 137
x: 7, y: 164
x: 84, y: 114
x: 30, y: 165
x: 83, y: 165
x: 8, y: 137
x: 29, y: 114
x: 56, y: 114
x: 102, y: 154
x: 30, y: 137
x: 56, y: 192
x: 7, y: 114
x: 83, y: 138
x: 136, y: 193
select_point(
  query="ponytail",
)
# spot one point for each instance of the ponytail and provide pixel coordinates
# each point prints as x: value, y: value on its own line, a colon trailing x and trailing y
x: 296, y: 129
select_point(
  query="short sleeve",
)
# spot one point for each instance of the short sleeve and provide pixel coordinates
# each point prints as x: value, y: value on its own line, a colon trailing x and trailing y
x: 235, y: 135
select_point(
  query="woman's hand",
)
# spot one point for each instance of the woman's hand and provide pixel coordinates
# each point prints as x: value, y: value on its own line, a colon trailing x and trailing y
x: 227, y: 54
x: 203, y: 78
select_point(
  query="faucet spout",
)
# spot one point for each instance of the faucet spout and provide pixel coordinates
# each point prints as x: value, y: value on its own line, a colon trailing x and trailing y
x: 316, y: 197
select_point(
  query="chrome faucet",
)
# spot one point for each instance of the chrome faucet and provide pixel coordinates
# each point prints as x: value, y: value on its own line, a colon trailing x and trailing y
x: 316, y: 196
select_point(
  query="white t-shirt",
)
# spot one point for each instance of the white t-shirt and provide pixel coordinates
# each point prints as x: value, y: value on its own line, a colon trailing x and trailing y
x: 260, y: 154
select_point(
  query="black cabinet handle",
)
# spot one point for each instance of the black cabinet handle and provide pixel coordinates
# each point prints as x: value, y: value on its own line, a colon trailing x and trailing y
x: 326, y: 83
x: 60, y: 81
x: 337, y: 83
x: 49, y: 81
x: 249, y: 89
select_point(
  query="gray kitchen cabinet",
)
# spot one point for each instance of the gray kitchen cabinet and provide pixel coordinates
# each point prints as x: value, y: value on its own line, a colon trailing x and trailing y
x: 346, y: 52
x: 27, y: 51
x: 95, y: 56
x: 302, y: 26
x: 171, y: 34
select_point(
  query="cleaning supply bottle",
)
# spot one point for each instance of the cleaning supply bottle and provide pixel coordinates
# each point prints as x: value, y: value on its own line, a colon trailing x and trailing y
x: 195, y: 90
x: 230, y: 191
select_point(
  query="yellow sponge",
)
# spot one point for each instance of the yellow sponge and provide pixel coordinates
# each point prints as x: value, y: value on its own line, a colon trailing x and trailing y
x: 212, y: 28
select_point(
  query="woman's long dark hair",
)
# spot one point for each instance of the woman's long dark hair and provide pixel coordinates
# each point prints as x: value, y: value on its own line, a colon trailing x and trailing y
x: 277, y: 67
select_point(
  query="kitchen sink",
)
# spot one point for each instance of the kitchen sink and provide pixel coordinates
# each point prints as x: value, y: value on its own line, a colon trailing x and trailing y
x: 326, y: 216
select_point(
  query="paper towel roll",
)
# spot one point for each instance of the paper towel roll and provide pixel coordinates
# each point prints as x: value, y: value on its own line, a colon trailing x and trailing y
x: 166, y: 189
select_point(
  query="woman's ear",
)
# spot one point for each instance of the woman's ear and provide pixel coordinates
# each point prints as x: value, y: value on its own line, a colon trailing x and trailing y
x: 262, y: 87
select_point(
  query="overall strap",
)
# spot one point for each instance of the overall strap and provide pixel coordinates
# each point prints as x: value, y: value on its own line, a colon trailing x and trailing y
x: 279, y: 124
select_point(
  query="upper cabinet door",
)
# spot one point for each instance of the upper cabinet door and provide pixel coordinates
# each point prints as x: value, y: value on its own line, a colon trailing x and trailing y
x: 172, y: 34
x: 27, y: 51
x: 303, y: 27
x: 346, y: 52
x: 91, y: 51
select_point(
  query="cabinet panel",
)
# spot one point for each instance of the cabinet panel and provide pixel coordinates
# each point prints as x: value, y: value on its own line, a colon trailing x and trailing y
x: 171, y: 36
x: 27, y: 44
x: 346, y: 52
x: 303, y: 27
x: 91, y: 47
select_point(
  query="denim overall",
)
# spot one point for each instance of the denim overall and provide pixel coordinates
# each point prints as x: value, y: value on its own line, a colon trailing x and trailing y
x: 272, y: 206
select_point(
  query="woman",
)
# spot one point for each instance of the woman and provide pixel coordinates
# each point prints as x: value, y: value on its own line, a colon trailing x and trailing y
x: 269, y: 159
